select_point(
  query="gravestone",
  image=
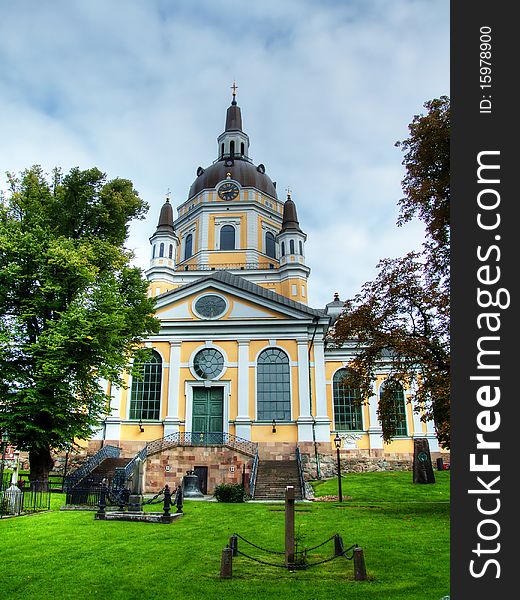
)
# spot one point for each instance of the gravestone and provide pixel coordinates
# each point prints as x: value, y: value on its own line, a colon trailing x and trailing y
x: 422, y: 462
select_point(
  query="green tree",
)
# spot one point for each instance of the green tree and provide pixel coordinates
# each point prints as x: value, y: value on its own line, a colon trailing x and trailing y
x: 72, y: 309
x: 402, y: 318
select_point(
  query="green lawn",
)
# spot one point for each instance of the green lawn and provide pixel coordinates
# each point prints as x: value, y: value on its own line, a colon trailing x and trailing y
x: 402, y: 528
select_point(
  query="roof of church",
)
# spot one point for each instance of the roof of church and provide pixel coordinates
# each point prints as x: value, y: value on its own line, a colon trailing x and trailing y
x: 247, y: 286
x: 233, y: 118
x: 166, y: 217
x: 241, y: 170
x: 290, y: 218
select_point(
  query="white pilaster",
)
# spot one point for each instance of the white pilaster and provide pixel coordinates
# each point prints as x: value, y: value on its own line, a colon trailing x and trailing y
x: 375, y: 431
x: 431, y: 436
x: 322, y: 428
x: 171, y: 422
x: 304, y: 418
x: 416, y: 413
x: 113, y: 421
x: 243, y: 419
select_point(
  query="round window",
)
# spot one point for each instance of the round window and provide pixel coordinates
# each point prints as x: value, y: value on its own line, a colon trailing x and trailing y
x: 208, y: 363
x: 210, y: 306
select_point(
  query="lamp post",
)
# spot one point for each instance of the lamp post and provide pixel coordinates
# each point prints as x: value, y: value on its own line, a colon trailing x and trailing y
x: 5, y: 440
x: 337, y: 442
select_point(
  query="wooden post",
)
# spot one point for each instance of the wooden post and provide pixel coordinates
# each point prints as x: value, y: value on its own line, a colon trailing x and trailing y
x: 289, y: 525
x: 226, y: 563
x: 360, y: 571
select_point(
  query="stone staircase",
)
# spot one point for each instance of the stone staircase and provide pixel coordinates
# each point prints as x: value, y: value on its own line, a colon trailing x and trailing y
x: 107, y: 469
x: 272, y: 478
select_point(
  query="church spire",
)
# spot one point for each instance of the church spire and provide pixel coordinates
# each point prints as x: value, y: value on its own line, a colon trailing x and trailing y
x: 290, y: 218
x: 233, y: 143
x: 234, y: 115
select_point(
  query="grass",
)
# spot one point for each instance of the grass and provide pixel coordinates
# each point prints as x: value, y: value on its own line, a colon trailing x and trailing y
x: 402, y: 528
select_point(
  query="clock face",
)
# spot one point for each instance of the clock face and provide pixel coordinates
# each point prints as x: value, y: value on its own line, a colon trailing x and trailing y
x: 228, y: 191
x: 210, y: 306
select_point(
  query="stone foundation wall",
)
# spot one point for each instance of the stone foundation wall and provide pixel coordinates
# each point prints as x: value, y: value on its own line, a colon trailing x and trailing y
x: 170, y: 466
x: 225, y: 466
x: 360, y: 461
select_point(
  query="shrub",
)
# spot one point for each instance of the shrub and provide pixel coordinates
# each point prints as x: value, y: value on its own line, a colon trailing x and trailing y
x: 229, y: 492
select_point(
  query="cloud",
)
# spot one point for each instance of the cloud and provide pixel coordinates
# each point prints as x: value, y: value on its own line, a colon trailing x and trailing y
x: 140, y: 90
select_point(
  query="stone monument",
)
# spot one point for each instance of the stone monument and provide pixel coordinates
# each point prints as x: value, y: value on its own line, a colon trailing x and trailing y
x: 422, y: 462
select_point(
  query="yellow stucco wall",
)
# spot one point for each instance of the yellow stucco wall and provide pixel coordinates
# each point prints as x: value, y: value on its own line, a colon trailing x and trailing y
x: 284, y: 433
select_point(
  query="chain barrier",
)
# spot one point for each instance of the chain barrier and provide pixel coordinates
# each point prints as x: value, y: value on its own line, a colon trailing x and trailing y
x: 318, y: 546
x: 302, y: 565
x: 151, y: 501
x: 258, y: 547
x: 278, y: 552
x: 263, y: 562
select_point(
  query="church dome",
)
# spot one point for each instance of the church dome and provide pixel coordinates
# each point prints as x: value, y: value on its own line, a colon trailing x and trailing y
x: 242, y: 171
x: 233, y: 158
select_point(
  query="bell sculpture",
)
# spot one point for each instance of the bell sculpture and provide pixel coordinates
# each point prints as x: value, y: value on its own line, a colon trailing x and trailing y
x: 190, y: 483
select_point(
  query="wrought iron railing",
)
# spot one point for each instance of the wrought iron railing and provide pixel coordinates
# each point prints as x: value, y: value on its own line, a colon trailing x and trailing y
x: 131, y: 466
x: 86, y: 468
x: 300, y: 472
x: 15, y: 500
x: 228, y: 266
x: 252, y: 477
x: 195, y: 438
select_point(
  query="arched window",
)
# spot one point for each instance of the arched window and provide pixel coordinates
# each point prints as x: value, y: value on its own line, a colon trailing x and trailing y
x: 242, y: 148
x: 291, y: 246
x: 170, y: 251
x: 347, y: 405
x: 232, y: 147
x: 273, y: 393
x: 283, y: 248
x: 161, y: 250
x: 398, y: 417
x: 145, y: 396
x: 222, y: 150
x: 153, y: 251
x: 188, y: 246
x: 301, y: 247
x: 227, y: 237
x: 270, y: 246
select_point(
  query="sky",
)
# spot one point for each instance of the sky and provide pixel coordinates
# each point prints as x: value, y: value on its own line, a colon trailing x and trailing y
x: 140, y: 89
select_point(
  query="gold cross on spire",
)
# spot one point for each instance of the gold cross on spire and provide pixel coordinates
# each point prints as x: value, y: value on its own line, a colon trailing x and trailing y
x: 234, y: 87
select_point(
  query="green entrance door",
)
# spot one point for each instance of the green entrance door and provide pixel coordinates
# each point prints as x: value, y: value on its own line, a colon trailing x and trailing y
x: 208, y: 410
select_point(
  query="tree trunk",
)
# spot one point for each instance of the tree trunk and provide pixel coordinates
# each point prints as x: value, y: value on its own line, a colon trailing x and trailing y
x: 41, y: 463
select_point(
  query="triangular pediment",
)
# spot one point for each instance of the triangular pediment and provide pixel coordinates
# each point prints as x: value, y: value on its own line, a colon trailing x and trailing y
x: 244, y: 301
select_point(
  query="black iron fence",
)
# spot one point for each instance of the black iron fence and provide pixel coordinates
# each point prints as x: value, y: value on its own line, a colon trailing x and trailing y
x: 28, y: 498
x: 84, y: 495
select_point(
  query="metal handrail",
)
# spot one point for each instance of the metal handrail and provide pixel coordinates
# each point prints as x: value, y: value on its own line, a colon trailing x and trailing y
x: 86, y: 468
x: 130, y: 467
x: 195, y: 438
x: 300, y: 471
x: 252, y: 477
x: 228, y: 266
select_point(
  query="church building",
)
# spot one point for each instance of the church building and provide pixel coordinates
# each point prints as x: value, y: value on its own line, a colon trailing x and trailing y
x: 240, y: 372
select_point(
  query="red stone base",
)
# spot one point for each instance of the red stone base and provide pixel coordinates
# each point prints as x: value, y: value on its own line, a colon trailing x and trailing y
x: 170, y: 466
